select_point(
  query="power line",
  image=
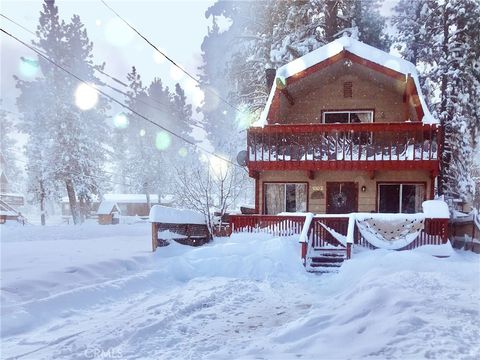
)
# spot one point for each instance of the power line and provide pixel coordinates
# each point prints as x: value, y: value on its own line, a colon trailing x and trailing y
x: 119, y: 102
x: 171, y: 60
x: 109, y: 76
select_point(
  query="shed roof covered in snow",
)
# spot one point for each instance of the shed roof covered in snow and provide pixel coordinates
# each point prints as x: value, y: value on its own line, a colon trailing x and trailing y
x: 107, y: 207
x: 168, y: 215
x: 325, y: 55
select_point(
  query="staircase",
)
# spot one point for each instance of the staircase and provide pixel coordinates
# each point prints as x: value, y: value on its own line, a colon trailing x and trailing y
x: 325, y: 260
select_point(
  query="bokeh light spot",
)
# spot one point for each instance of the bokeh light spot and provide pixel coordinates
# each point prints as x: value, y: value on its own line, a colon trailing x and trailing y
x: 163, y: 140
x: 183, y: 152
x: 28, y: 67
x: 117, y: 33
x: 120, y: 121
x: 142, y: 132
x: 86, y: 97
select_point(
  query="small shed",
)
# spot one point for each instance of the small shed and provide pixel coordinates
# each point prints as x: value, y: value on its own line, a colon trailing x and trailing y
x: 108, y: 212
x: 186, y: 227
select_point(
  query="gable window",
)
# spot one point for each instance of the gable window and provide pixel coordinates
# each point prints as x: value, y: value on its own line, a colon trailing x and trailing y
x: 285, y: 197
x: 347, y: 116
x: 400, y: 198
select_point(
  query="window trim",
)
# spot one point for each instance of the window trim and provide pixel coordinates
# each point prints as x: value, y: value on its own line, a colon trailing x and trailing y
x: 378, y: 183
x: 264, y: 183
x: 349, y: 111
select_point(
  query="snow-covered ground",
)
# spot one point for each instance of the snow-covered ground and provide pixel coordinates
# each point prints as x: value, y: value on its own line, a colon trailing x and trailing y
x: 98, y: 292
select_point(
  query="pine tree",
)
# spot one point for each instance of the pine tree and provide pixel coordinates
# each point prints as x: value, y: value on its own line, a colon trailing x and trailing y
x: 68, y: 148
x: 444, y: 38
x: 8, y: 151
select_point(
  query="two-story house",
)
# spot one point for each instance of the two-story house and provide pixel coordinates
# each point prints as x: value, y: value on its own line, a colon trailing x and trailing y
x: 345, y: 129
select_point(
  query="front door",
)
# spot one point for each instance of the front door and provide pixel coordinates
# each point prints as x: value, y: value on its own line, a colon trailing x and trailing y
x: 342, y: 197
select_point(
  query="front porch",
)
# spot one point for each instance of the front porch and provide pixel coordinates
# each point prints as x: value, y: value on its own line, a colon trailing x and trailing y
x: 332, y: 237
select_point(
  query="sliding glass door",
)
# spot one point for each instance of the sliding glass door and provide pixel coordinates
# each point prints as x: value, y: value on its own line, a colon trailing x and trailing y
x: 285, y: 197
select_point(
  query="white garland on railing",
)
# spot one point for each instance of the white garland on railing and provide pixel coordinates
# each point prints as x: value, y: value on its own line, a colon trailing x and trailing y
x: 398, y: 237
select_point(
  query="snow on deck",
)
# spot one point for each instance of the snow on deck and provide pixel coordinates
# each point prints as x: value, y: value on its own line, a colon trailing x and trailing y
x: 98, y: 290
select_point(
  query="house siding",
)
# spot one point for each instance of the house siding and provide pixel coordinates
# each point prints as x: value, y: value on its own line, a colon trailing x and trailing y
x: 366, y: 200
x: 385, y: 97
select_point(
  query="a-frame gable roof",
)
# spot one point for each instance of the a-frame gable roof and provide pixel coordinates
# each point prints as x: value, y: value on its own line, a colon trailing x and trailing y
x: 358, y: 52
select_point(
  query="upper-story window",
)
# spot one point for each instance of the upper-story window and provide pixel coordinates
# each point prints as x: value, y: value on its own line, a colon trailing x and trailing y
x: 347, y: 116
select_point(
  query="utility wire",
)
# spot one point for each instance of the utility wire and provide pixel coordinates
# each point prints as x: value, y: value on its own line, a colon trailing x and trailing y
x: 119, y: 102
x: 111, y: 77
x: 171, y: 60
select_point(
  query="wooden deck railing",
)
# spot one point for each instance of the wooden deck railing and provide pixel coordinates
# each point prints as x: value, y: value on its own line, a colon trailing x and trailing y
x: 278, y: 225
x: 363, y: 146
x: 435, y: 230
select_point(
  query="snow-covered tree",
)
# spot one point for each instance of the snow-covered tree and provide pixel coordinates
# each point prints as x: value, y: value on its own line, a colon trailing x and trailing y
x: 65, y: 143
x: 444, y: 38
x: 8, y: 148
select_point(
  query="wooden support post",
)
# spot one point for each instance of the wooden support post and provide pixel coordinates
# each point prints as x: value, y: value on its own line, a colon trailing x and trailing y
x: 304, y: 253
x: 349, y: 250
x: 154, y: 236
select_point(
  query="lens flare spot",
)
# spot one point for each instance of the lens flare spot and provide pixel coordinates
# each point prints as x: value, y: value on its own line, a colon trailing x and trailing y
x: 117, y: 33
x: 218, y: 166
x: 142, y: 132
x: 163, y: 140
x: 86, y: 97
x: 28, y: 67
x: 245, y: 118
x: 120, y: 121
x: 183, y: 152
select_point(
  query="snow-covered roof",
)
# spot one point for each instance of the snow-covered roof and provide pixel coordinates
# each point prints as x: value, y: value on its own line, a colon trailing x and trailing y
x: 130, y: 198
x: 168, y: 215
x: 11, y: 194
x: 105, y: 207
x: 357, y: 48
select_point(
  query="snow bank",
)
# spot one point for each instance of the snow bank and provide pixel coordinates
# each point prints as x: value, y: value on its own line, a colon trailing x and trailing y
x: 244, y: 297
x: 436, y: 209
x: 168, y: 215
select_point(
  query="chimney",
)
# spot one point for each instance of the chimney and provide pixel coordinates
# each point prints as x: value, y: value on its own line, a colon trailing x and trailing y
x: 270, y: 77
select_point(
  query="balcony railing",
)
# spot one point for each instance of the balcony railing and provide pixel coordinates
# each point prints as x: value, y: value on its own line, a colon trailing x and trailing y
x: 362, y: 146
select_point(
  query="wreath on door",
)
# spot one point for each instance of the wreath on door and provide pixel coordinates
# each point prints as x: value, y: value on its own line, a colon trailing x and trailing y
x: 339, y: 199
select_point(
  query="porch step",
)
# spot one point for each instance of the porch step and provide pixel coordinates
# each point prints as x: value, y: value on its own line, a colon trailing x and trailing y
x: 326, y: 260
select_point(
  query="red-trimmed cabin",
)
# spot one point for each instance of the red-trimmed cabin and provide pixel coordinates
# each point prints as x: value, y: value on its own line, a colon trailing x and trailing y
x: 345, y: 129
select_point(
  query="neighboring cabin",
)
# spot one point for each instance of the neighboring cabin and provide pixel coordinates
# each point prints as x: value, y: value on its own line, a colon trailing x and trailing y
x: 345, y: 129
x: 115, y: 205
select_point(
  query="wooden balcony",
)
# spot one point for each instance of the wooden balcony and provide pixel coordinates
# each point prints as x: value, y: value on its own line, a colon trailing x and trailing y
x: 357, y: 146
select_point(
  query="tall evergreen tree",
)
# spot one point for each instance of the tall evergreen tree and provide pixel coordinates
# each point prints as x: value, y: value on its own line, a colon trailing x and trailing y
x: 444, y: 38
x: 71, y: 140
x: 8, y: 150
